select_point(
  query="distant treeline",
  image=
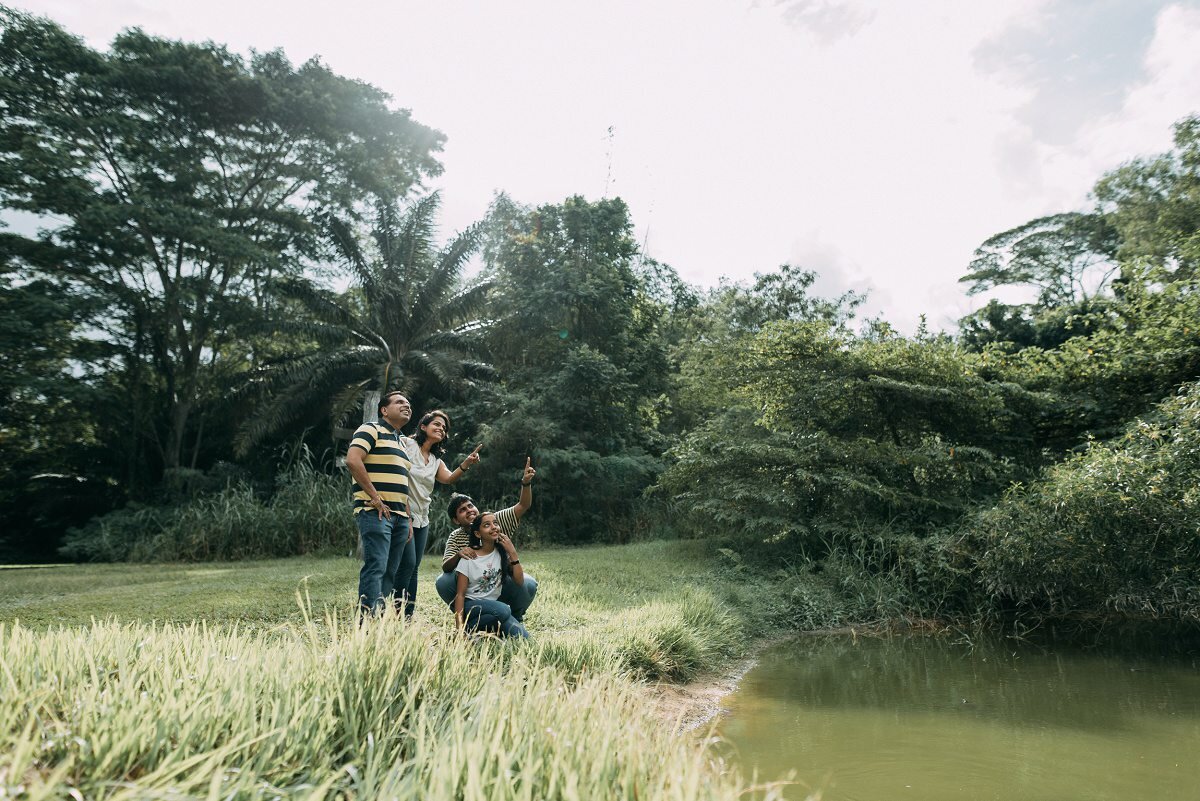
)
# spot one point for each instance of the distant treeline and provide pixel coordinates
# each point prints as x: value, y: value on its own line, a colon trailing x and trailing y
x: 182, y: 369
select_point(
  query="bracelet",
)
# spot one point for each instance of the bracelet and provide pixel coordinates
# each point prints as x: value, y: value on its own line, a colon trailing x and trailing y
x: 526, y: 483
x: 462, y: 469
x: 515, y: 562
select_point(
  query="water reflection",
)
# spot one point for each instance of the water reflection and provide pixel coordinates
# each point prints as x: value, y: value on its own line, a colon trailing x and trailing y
x: 927, y: 718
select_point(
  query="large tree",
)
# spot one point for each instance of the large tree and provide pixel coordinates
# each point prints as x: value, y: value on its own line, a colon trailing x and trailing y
x: 178, y: 180
x: 1066, y: 258
x: 1154, y: 204
x: 53, y: 460
x: 409, y: 323
x: 579, y: 344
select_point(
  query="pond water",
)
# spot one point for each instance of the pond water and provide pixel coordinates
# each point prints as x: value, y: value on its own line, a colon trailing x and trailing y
x: 872, y: 719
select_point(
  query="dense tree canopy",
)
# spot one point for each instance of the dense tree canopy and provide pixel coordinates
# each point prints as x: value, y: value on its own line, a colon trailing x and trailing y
x: 577, y: 341
x: 173, y: 182
x: 182, y: 178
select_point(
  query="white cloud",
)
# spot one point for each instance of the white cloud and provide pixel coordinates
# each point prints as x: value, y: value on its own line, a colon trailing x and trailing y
x: 1169, y: 92
x: 829, y: 20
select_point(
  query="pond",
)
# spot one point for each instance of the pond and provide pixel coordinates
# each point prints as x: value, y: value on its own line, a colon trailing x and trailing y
x: 877, y: 719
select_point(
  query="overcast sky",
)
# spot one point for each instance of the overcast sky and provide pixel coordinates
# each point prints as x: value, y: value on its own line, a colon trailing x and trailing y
x: 875, y: 142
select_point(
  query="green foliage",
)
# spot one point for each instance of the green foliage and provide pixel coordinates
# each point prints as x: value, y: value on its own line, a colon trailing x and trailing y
x: 1154, y: 204
x: 1136, y: 351
x: 579, y: 344
x: 307, y: 513
x: 48, y: 481
x: 1066, y: 258
x: 1140, y: 237
x: 841, y: 591
x: 1112, y: 530
x: 833, y: 434
x: 178, y: 179
x: 410, y: 324
x: 1008, y: 328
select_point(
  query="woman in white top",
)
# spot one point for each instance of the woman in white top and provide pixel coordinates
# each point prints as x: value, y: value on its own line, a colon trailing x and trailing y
x: 477, y: 600
x: 425, y: 448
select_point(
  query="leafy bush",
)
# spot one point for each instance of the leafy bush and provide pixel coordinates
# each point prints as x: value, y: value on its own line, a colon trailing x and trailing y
x: 1112, y: 530
x: 114, y: 536
x: 828, y: 436
x: 308, y: 513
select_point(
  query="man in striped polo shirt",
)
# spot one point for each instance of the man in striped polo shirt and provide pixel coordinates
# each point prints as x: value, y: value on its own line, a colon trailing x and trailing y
x: 379, y: 467
x: 462, y: 512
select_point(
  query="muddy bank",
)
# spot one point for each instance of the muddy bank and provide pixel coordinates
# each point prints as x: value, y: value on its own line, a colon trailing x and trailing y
x: 689, y: 706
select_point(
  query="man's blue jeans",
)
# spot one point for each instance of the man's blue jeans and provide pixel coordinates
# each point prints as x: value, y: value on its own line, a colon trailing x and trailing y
x: 517, y: 596
x: 383, y: 544
x: 485, y: 614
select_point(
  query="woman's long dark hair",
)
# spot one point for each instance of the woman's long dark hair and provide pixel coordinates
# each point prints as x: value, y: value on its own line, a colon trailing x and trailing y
x: 419, y: 436
x: 474, y: 541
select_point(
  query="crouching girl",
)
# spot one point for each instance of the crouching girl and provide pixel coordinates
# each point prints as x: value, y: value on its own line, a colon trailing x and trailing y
x: 476, y: 604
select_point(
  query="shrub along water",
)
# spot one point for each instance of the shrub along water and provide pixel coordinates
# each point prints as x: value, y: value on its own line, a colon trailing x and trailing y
x: 1114, y: 530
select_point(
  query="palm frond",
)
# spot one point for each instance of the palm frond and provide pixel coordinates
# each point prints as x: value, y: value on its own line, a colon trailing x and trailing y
x: 410, y: 325
x: 444, y: 276
x: 347, y: 399
x: 444, y: 368
x: 464, y: 308
x: 270, y: 416
x: 322, y: 303
x: 346, y: 244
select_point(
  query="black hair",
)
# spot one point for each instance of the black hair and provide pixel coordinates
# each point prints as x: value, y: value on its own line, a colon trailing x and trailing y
x: 386, y: 398
x: 457, y: 500
x: 475, y: 541
x: 419, y: 436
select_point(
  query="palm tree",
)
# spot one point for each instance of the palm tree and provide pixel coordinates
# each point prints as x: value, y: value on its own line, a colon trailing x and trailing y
x: 408, y: 324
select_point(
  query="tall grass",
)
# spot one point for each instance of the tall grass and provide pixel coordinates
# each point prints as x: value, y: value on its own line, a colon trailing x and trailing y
x: 309, y: 512
x: 310, y: 706
x: 325, y: 709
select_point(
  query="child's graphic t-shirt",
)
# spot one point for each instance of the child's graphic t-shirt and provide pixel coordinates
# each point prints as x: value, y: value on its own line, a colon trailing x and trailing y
x: 483, y: 576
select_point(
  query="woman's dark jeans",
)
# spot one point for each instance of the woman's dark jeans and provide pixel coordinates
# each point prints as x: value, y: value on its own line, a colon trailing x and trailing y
x: 410, y: 563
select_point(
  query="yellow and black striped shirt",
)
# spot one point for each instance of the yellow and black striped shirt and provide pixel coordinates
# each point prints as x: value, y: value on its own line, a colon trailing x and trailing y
x: 387, y: 466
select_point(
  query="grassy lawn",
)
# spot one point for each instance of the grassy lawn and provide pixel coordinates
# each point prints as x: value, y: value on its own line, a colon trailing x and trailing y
x: 214, y: 681
x: 578, y: 587
x: 259, y: 592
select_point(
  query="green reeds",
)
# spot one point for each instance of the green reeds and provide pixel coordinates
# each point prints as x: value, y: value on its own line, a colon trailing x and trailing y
x: 326, y: 709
